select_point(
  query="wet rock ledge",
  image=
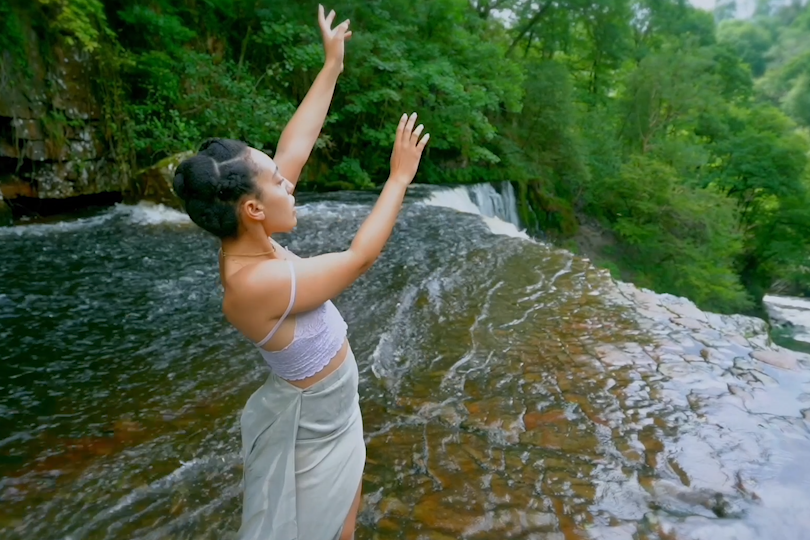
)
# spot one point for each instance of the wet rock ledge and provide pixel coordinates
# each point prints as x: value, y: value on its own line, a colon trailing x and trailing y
x: 52, y: 138
x: 692, y: 426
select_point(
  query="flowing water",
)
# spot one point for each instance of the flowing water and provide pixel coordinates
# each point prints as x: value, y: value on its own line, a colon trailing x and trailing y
x: 509, y: 389
x: 790, y: 317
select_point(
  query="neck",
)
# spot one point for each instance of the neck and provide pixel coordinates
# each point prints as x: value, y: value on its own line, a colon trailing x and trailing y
x: 248, y: 244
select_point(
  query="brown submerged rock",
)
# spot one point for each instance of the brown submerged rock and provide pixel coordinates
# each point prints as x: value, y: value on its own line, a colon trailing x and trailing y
x: 5, y: 213
x: 566, y: 426
x: 450, y: 511
x: 155, y: 183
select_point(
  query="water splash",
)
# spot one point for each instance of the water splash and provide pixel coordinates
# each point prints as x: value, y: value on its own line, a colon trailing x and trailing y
x: 44, y: 229
x: 789, y: 311
x: 146, y: 213
x: 511, y: 400
x: 142, y: 213
x: 498, y: 209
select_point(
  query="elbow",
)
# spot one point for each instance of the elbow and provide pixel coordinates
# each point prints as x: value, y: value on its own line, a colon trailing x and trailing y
x: 365, y: 267
x: 362, y: 262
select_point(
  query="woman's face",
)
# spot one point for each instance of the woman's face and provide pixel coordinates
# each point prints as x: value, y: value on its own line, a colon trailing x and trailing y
x: 276, y: 200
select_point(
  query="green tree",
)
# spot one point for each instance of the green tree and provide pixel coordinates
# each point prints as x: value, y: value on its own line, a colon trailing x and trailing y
x: 750, y: 41
x: 675, y: 238
x: 760, y: 162
x: 647, y: 117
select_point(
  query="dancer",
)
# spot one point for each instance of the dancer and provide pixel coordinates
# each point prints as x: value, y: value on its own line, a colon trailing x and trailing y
x: 302, y: 431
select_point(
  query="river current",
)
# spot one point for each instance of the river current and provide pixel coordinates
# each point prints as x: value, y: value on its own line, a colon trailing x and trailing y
x: 509, y: 389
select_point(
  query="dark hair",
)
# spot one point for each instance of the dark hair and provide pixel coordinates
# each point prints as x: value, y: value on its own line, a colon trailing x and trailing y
x: 212, y: 182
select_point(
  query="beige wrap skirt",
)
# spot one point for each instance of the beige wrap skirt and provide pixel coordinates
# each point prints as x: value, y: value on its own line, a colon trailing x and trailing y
x: 304, y: 456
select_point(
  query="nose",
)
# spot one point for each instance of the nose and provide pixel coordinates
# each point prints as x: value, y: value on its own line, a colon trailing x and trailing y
x: 288, y: 186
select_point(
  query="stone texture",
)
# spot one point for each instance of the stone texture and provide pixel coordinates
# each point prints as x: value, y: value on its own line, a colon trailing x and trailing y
x: 688, y: 323
x: 14, y: 187
x: 27, y: 128
x: 50, y: 125
x: 155, y: 183
x: 782, y: 359
x: 5, y: 213
x: 451, y: 513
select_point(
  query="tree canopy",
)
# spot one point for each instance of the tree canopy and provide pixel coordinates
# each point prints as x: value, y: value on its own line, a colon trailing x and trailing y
x: 679, y: 133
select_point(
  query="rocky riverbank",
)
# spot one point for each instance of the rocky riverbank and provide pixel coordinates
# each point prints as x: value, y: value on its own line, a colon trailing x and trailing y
x: 694, y: 417
x: 55, y: 142
x: 508, y: 388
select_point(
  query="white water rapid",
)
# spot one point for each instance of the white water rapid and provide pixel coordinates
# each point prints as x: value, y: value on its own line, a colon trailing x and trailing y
x: 786, y: 311
x: 497, y: 208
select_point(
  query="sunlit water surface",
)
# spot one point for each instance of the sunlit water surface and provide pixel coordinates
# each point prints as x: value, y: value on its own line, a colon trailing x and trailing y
x: 509, y: 389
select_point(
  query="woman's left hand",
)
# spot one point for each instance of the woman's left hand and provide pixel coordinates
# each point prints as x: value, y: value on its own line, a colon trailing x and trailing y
x: 333, y: 38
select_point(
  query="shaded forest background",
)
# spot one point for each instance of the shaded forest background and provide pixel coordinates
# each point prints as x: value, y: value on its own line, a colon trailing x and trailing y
x: 668, y: 143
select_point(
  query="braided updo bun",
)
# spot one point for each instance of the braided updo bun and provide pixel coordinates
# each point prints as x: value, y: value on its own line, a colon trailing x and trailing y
x: 212, y: 182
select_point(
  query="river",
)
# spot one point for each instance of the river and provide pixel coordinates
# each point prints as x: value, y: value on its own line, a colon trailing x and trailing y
x: 790, y: 317
x: 509, y: 389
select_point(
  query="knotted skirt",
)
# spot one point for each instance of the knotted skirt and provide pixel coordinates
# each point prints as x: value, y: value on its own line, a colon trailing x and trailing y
x: 304, y: 456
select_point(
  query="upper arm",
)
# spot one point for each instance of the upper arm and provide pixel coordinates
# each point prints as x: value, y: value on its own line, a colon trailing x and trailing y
x: 317, y: 279
x: 289, y: 165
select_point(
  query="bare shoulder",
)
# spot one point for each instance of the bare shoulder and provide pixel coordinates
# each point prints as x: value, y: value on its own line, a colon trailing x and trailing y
x: 298, y: 284
x: 255, y: 294
x: 265, y: 284
x: 266, y: 278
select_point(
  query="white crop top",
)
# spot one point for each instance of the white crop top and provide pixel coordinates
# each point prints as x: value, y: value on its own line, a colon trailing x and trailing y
x: 319, y: 334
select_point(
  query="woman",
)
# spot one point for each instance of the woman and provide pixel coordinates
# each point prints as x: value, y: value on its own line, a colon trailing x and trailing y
x: 302, y: 432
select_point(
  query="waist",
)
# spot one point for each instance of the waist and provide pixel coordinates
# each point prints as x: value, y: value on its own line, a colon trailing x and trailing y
x: 332, y: 365
x: 305, y: 368
x: 308, y: 354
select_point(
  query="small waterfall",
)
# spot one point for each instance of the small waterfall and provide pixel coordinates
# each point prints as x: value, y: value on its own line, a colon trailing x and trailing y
x: 491, y: 203
x: 486, y: 364
x: 790, y: 312
x: 498, y: 207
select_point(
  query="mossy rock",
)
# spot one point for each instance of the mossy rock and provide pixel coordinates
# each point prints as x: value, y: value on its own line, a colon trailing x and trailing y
x: 155, y: 183
x: 5, y: 214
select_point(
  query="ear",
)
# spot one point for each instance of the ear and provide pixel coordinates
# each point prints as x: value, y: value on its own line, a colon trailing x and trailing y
x: 253, y: 209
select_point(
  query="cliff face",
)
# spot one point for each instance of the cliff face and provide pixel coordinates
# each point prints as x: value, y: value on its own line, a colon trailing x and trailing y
x: 52, y: 143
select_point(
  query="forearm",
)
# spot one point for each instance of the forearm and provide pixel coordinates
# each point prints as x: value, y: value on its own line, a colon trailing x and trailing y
x: 369, y: 241
x: 300, y: 134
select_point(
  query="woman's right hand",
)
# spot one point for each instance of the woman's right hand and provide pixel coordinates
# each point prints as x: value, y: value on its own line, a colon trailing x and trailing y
x: 325, y: 276
x: 407, y: 149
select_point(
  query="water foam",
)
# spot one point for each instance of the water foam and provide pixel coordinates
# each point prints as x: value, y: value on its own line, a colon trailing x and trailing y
x: 795, y: 311
x: 142, y: 213
x: 331, y: 209
x: 42, y: 229
x: 147, y: 213
x: 498, y: 210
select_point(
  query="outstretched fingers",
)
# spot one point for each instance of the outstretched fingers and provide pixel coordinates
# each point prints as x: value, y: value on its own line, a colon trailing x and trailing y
x: 325, y: 22
x: 416, y: 133
x: 401, y: 130
x: 407, y: 136
x: 342, y: 30
x: 409, y: 127
x: 421, y: 145
x: 411, y: 122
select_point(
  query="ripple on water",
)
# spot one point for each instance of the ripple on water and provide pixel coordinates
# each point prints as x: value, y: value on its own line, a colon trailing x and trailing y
x: 509, y: 390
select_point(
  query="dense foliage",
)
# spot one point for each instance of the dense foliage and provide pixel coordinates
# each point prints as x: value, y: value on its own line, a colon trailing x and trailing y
x: 680, y: 137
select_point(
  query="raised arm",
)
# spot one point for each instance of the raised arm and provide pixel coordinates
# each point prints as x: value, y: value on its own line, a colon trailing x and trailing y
x: 300, y: 134
x: 323, y: 277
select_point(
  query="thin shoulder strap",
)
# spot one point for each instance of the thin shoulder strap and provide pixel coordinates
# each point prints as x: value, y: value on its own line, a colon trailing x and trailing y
x: 289, y: 307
